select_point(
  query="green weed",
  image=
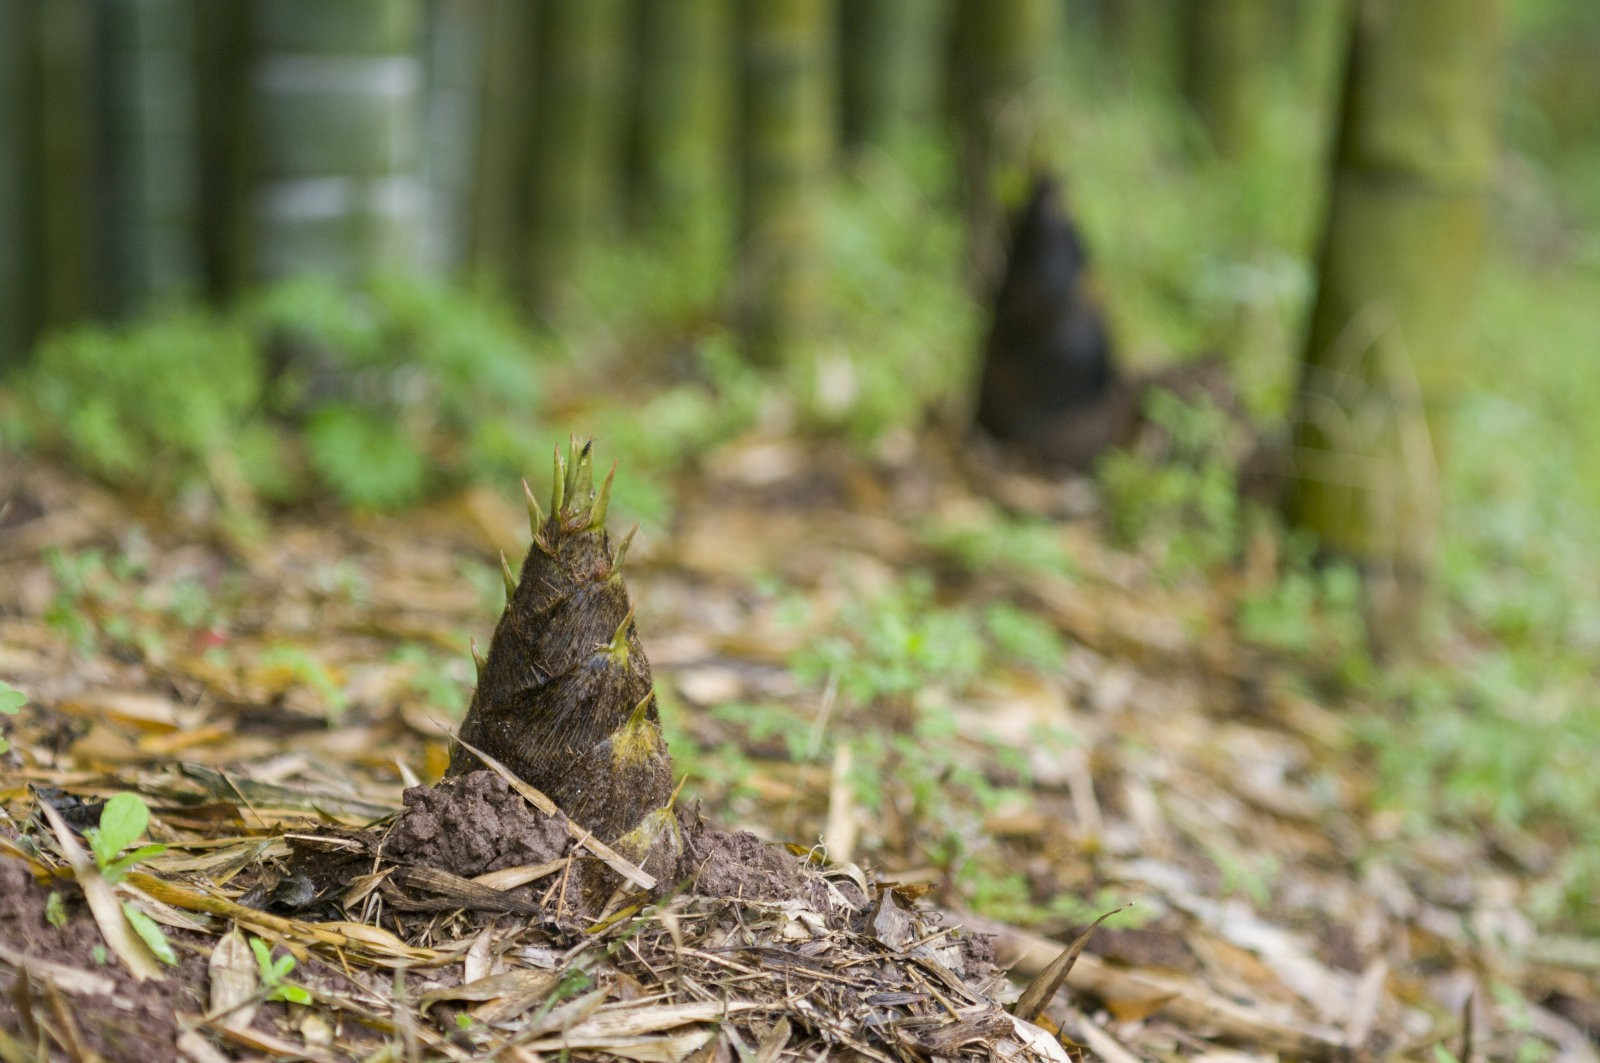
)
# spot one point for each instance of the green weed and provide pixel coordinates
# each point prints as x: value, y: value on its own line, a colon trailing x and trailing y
x: 122, y: 821
x: 1184, y: 508
x: 274, y: 974
x: 769, y: 724
x: 652, y: 440
x: 1023, y: 636
x: 1005, y: 894
x: 721, y: 772
x: 903, y: 651
x: 894, y: 644
x: 374, y: 395
x: 82, y: 580
x: 434, y: 679
x: 11, y: 702
x: 1000, y: 541
x: 147, y: 405
x: 367, y: 461
x: 1312, y: 612
x: 305, y: 669
x: 901, y: 329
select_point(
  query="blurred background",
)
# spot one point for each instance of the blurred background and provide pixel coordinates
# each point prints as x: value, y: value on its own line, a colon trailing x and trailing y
x: 266, y: 259
x: 814, y: 187
x: 286, y: 249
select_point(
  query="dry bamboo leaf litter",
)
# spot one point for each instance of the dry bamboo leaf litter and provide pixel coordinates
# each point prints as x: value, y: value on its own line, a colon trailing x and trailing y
x: 1157, y: 709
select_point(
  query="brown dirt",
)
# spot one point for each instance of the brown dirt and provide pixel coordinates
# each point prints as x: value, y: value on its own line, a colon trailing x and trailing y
x: 739, y: 864
x: 473, y: 824
x: 131, y: 1021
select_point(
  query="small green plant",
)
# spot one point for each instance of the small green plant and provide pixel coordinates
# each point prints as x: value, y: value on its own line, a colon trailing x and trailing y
x: 433, y: 679
x: 81, y: 579
x: 147, y: 405
x: 901, y: 320
x: 97, y: 598
x: 720, y: 772
x: 998, y: 541
x: 306, y: 669
x: 368, y: 461
x: 897, y: 649
x: 11, y: 702
x: 55, y: 910
x: 274, y: 974
x: 573, y: 982
x: 190, y: 604
x: 123, y: 820
x: 893, y: 644
x: 1313, y: 612
x: 654, y: 437
x: 1184, y: 508
x: 903, y: 641
x: 374, y: 393
x: 150, y: 933
x: 343, y: 580
x: 768, y: 723
x: 1023, y: 636
x: 902, y: 651
x: 1005, y: 894
x: 1252, y: 876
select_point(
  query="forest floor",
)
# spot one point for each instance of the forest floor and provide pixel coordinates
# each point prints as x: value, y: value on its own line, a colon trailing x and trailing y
x: 878, y: 657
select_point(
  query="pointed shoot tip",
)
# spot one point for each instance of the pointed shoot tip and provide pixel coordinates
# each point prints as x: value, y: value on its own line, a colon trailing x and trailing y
x: 558, y: 484
x: 597, y: 512
x: 535, y: 514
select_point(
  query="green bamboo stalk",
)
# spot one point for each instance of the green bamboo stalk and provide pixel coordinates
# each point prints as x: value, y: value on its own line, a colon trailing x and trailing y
x: 1001, y: 54
x: 784, y: 129
x: 67, y: 158
x: 223, y: 67
x: 1225, y: 74
x: 497, y: 244
x: 1142, y: 41
x: 678, y: 136
x: 456, y: 38
x: 887, y: 68
x: 148, y: 119
x: 1400, y: 253
x: 336, y: 96
x: 577, y: 150
x: 18, y: 247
